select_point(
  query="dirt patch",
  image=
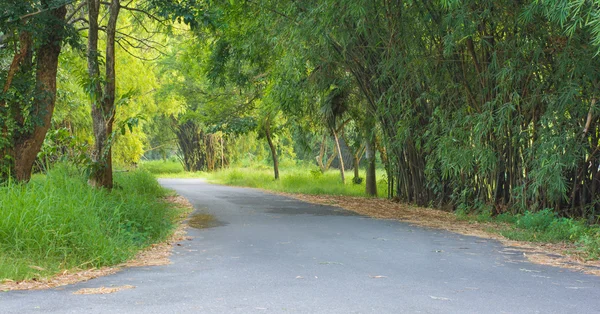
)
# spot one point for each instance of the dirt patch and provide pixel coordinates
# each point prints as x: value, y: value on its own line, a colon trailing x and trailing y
x: 204, y: 221
x: 553, y: 254
x: 103, y: 290
x: 156, y: 254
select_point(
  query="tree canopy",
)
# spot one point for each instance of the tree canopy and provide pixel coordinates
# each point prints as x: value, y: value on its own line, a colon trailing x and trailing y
x: 484, y: 105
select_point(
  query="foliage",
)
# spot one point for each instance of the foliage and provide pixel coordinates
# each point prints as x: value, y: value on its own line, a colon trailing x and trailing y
x: 478, y: 102
x: 58, y: 222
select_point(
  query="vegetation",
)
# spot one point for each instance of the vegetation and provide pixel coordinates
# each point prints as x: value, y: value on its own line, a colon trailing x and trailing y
x: 485, y: 107
x: 293, y: 180
x: 543, y: 226
x: 58, y: 222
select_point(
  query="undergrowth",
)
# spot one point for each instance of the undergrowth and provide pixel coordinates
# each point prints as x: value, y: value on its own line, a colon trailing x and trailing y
x: 162, y: 167
x: 57, y: 222
x: 542, y: 226
x: 293, y: 180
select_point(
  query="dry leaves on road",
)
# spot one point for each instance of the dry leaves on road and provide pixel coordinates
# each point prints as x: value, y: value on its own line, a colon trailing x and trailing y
x: 103, y: 290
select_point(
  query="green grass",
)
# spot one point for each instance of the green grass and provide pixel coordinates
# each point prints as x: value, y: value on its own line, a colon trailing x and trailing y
x: 162, y: 167
x: 58, y: 222
x: 543, y: 226
x: 292, y: 180
x: 305, y: 179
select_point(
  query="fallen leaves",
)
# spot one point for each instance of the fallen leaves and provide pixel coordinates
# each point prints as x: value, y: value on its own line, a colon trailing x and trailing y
x: 103, y: 290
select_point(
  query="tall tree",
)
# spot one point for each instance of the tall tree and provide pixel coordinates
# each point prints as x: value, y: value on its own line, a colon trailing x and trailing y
x: 102, y: 91
x: 29, y: 87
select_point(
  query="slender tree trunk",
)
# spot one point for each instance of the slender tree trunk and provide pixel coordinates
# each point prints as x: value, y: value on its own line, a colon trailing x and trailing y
x: 339, y: 153
x: 222, y: 153
x: 103, y: 104
x: 272, y: 147
x: 355, y: 168
x: 371, y: 180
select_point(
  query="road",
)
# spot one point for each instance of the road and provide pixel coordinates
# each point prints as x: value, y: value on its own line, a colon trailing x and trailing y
x: 272, y: 254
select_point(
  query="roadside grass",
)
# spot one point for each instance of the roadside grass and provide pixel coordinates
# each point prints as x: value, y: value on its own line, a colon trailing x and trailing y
x: 305, y: 179
x: 57, y: 222
x: 296, y: 179
x: 543, y: 226
x: 162, y: 167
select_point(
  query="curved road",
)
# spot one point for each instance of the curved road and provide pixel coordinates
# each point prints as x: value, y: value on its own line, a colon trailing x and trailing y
x: 271, y: 254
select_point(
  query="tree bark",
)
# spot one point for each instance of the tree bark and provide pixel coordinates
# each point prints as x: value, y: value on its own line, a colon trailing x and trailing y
x: 103, y: 101
x: 28, y: 145
x: 371, y: 180
x: 339, y: 152
x: 323, y: 154
x: 272, y: 147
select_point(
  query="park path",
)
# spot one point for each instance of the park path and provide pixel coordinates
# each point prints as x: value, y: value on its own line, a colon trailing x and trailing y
x: 271, y: 254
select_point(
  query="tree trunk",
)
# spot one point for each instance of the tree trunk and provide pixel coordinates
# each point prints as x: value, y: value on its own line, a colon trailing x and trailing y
x: 28, y: 145
x: 21, y: 147
x: 272, y: 147
x: 341, y: 159
x: 356, y: 170
x: 103, y: 102
x: 371, y: 180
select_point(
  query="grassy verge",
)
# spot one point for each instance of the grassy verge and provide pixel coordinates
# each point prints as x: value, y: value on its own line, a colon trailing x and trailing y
x: 292, y: 180
x: 543, y: 226
x: 58, y: 222
x: 163, y: 167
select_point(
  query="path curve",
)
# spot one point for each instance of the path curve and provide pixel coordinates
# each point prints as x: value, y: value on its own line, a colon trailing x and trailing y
x: 272, y: 254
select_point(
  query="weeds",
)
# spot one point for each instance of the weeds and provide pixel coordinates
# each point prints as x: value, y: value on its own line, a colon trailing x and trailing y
x: 58, y: 222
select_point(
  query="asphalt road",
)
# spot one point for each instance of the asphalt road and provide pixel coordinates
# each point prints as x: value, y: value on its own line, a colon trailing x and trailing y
x: 271, y: 254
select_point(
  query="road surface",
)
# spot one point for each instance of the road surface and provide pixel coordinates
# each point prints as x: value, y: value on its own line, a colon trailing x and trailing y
x: 272, y: 254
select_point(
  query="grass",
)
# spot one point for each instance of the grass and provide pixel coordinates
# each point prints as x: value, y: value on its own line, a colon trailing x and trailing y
x: 162, y: 167
x: 292, y: 180
x: 543, y: 226
x: 58, y: 222
x: 305, y: 179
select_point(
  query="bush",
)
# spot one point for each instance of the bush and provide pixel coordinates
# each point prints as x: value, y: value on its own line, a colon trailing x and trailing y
x: 539, y: 221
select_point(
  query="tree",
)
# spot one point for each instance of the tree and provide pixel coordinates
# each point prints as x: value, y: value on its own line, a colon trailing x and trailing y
x: 29, y: 84
x: 102, y: 92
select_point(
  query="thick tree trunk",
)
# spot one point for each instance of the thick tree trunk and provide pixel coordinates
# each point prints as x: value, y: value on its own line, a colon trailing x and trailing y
x: 19, y: 63
x: 22, y: 147
x: 272, y: 147
x: 103, y: 104
x: 28, y: 145
x: 339, y: 153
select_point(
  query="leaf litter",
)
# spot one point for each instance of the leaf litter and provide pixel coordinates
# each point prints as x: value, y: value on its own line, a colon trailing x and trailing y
x: 103, y: 290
